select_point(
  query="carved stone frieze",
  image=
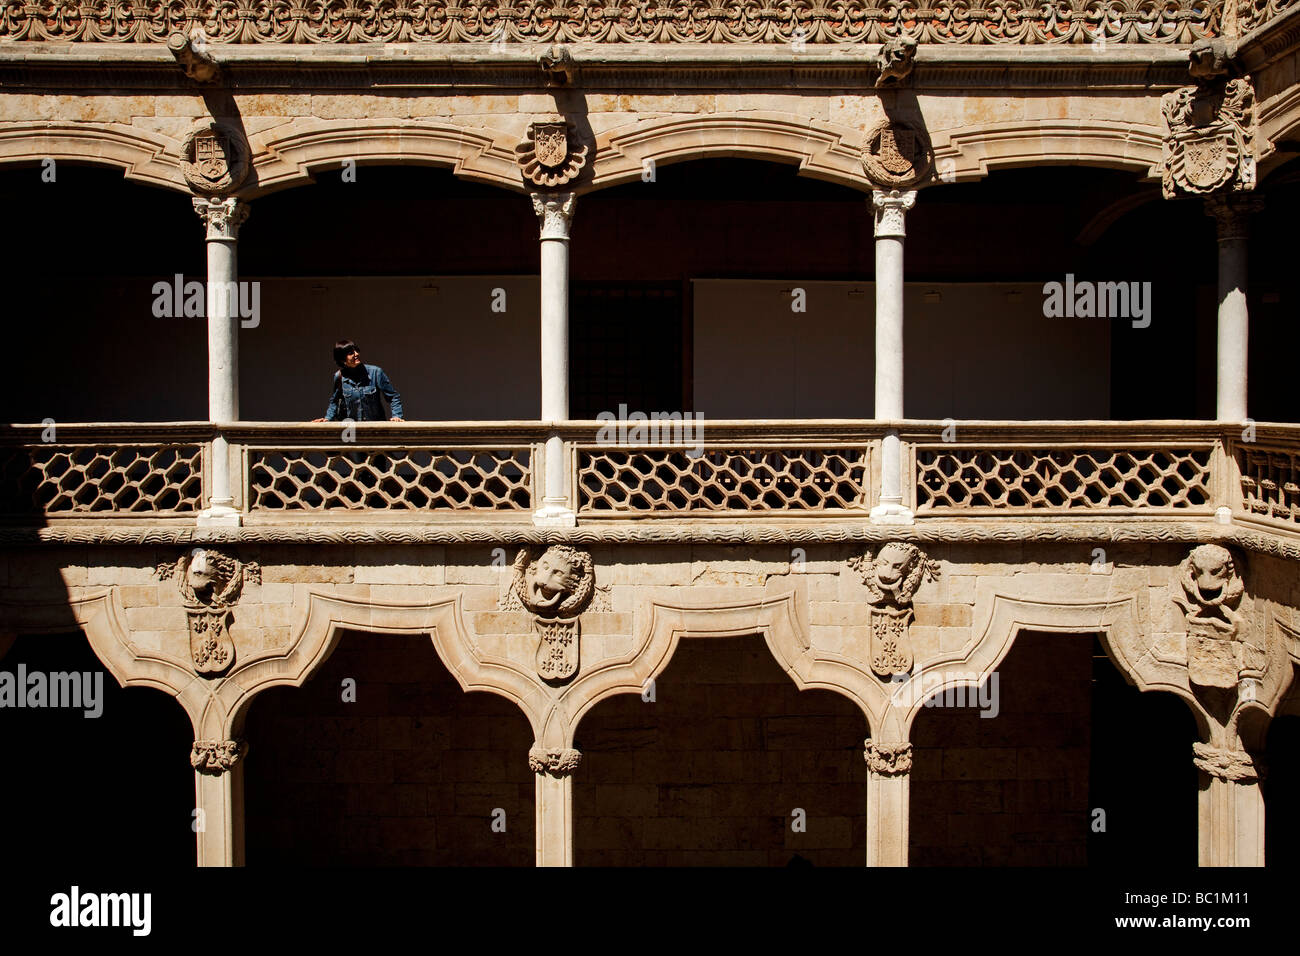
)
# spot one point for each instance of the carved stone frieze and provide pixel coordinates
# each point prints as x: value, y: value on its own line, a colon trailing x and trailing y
x: 216, y: 756
x: 555, y: 588
x: 1235, y: 765
x: 214, y: 158
x: 892, y: 578
x: 896, y: 154
x: 558, y: 763
x: 889, y: 760
x: 1015, y: 22
x: 210, y: 583
x: 1221, y: 647
x: 550, y: 155
x: 1210, y: 142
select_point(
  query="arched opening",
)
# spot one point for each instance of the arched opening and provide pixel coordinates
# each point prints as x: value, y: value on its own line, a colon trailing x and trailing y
x: 399, y: 767
x: 102, y: 778
x: 1071, y: 767
x: 1281, y: 788
x: 728, y: 765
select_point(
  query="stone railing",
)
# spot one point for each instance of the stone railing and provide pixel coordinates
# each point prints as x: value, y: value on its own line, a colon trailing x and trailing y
x: 646, y: 21
x: 417, y: 472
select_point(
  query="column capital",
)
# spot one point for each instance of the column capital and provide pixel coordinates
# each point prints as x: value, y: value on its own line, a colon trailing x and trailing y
x: 554, y: 213
x: 216, y: 756
x: 1231, y: 213
x: 222, y: 217
x: 891, y: 206
x: 557, y: 763
x: 1235, y: 765
x: 888, y: 760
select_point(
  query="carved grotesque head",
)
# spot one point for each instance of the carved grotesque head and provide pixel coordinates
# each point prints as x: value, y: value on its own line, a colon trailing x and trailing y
x: 1210, y: 570
x: 558, y: 582
x: 893, y: 562
x: 898, y: 51
x: 1208, y: 59
x: 202, y: 574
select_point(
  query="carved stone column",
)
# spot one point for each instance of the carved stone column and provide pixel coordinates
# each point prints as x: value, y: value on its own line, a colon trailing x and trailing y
x: 554, y: 797
x: 1231, y: 213
x: 219, y: 800
x: 555, y: 215
x: 889, y: 768
x: 1230, y: 808
x: 890, y: 209
x: 222, y: 219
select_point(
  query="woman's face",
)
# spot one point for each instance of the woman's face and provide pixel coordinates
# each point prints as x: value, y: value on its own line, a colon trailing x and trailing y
x: 352, y: 359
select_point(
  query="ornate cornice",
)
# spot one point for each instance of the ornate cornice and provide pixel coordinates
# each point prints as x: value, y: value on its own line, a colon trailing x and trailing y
x: 1017, y: 22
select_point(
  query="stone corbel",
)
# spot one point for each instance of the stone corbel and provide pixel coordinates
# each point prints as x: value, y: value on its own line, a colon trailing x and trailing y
x: 192, y: 54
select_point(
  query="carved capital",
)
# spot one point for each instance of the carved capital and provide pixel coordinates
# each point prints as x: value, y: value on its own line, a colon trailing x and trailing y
x: 222, y: 217
x: 891, y: 208
x: 216, y: 756
x: 1235, y: 765
x: 554, y: 214
x: 558, y: 763
x: 1231, y: 213
x: 888, y: 760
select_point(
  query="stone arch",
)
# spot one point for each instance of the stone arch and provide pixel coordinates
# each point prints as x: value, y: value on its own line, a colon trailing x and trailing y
x: 143, y: 157
x: 289, y: 155
x: 970, y: 152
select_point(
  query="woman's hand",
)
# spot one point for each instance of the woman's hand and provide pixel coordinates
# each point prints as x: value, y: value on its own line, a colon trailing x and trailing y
x: 318, y: 419
x: 397, y: 419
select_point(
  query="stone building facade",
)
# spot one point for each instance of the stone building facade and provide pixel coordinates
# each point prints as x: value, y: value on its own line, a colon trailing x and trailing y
x: 875, y: 610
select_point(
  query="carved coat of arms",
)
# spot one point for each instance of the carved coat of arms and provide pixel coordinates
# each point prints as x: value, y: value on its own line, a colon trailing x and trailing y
x: 556, y: 587
x: 211, y: 583
x: 1220, y: 647
x: 893, y: 577
x: 896, y: 155
x: 214, y: 158
x: 1210, y: 144
x: 550, y: 155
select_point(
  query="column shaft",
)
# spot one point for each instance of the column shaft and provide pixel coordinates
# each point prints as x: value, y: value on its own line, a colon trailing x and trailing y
x: 221, y: 798
x: 1234, y: 330
x: 555, y: 216
x: 890, y: 211
x: 554, y: 796
x: 887, y: 819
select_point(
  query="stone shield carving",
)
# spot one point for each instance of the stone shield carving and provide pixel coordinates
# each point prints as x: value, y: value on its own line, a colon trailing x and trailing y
x: 549, y: 155
x: 1221, y: 650
x: 214, y: 158
x: 210, y: 583
x: 555, y: 588
x: 896, y: 154
x: 1210, y: 144
x: 892, y: 577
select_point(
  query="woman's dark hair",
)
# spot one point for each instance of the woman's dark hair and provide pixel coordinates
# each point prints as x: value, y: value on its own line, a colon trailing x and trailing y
x: 342, y: 349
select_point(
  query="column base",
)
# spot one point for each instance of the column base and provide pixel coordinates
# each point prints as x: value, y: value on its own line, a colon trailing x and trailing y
x: 219, y: 516
x: 892, y: 512
x: 555, y: 515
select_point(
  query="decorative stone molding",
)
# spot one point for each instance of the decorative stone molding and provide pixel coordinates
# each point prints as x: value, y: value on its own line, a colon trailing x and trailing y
x: 554, y: 214
x: 890, y: 760
x: 216, y: 756
x: 891, y: 212
x: 896, y: 154
x: 892, y: 577
x: 1220, y: 648
x: 550, y: 155
x: 214, y: 158
x: 222, y: 217
x: 1016, y: 22
x: 1210, y: 140
x: 1235, y: 765
x: 210, y: 583
x: 895, y: 60
x: 557, y: 763
x: 555, y: 588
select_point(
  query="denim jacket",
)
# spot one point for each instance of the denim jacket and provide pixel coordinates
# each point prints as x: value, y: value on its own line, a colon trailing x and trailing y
x: 358, y: 399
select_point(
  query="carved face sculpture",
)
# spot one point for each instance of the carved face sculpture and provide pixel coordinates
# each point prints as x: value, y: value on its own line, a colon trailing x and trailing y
x: 201, y: 575
x: 892, y: 564
x: 551, y: 579
x: 1211, y: 569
